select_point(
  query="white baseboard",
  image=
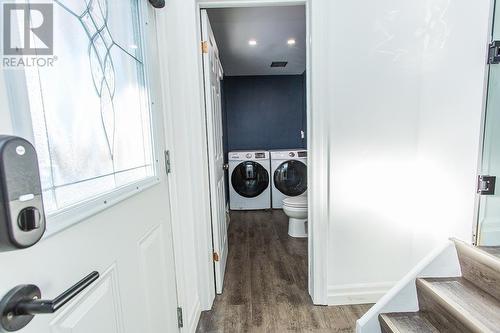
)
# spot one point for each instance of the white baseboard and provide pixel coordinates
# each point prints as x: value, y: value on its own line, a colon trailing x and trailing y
x: 361, y: 293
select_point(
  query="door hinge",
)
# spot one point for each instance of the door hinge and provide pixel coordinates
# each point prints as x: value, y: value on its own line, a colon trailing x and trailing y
x: 494, y: 53
x: 168, y: 168
x: 216, y: 256
x: 180, y: 321
x: 486, y: 185
x: 204, y: 47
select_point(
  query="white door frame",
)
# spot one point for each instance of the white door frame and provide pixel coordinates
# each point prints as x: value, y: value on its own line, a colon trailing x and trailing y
x: 186, y: 263
x: 318, y: 158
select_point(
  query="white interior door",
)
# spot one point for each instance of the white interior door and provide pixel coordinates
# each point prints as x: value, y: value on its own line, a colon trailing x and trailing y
x: 489, y: 211
x: 117, y: 224
x: 212, y: 70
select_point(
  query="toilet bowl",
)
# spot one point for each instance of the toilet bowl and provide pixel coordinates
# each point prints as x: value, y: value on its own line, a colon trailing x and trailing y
x: 296, y: 210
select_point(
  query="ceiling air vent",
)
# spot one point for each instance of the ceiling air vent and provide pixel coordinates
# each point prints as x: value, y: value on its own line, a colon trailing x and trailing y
x: 279, y: 63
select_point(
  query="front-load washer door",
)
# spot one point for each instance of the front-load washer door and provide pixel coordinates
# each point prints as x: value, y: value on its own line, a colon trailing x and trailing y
x: 249, y: 179
x: 290, y: 178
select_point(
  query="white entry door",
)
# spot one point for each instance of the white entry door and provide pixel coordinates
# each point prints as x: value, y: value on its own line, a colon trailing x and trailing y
x: 212, y: 69
x: 95, y: 118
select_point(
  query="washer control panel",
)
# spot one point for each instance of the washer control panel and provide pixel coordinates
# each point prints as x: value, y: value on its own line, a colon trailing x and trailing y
x: 260, y: 155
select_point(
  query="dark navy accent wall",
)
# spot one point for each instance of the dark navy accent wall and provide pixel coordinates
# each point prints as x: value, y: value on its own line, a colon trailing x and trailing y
x: 264, y: 112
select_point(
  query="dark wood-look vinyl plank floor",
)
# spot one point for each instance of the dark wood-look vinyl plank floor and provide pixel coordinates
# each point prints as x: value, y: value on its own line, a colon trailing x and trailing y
x: 265, y: 286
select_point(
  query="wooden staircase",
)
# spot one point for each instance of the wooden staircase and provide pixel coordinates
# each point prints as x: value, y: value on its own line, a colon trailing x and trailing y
x: 470, y: 303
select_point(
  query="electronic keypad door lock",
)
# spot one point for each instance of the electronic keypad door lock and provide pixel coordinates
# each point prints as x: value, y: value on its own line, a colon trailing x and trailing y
x: 22, y: 218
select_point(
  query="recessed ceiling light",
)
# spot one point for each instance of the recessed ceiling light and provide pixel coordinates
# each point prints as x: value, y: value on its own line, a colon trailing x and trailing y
x: 291, y: 41
x: 133, y: 46
x: 252, y: 42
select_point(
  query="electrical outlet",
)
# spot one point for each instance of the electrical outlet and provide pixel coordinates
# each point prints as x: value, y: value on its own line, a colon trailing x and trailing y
x: 302, y: 135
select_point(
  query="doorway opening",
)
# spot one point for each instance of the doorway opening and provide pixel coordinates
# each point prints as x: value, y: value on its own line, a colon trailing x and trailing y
x: 255, y: 79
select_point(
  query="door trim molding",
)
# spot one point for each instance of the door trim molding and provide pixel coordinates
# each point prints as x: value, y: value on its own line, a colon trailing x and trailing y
x: 216, y: 173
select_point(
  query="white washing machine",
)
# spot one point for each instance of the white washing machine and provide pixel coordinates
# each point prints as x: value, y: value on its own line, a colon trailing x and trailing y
x: 289, y: 174
x: 249, y: 178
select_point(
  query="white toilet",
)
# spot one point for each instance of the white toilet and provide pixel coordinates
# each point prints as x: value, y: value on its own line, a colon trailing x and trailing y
x: 296, y: 209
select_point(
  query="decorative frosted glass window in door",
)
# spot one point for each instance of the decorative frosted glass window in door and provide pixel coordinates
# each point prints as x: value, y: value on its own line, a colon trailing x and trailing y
x: 90, y: 112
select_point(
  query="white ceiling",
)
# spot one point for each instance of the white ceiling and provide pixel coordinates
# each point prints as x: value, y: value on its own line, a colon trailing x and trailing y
x: 271, y: 27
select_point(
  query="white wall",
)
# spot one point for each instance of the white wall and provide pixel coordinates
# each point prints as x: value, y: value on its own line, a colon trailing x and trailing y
x: 450, y: 117
x: 405, y: 109
x: 374, y: 88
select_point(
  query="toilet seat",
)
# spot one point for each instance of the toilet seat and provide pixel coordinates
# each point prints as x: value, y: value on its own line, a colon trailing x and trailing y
x: 296, y: 202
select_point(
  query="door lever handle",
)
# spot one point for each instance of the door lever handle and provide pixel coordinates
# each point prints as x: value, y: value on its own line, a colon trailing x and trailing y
x: 22, y: 303
x: 39, y: 306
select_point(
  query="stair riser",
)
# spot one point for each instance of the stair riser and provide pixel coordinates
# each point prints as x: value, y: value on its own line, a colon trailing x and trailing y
x: 437, y: 314
x: 480, y: 269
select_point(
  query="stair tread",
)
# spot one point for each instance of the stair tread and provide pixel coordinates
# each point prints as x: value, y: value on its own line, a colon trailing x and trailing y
x: 407, y: 322
x: 493, y: 252
x: 471, y: 305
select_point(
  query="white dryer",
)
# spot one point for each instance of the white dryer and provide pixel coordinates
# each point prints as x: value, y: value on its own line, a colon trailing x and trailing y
x: 289, y: 174
x: 249, y: 178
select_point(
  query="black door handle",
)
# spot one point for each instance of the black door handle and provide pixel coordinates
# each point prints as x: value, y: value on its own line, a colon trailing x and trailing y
x: 22, y: 303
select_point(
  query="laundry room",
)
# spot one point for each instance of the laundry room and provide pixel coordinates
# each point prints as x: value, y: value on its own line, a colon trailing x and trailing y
x: 254, y: 61
x: 265, y: 113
